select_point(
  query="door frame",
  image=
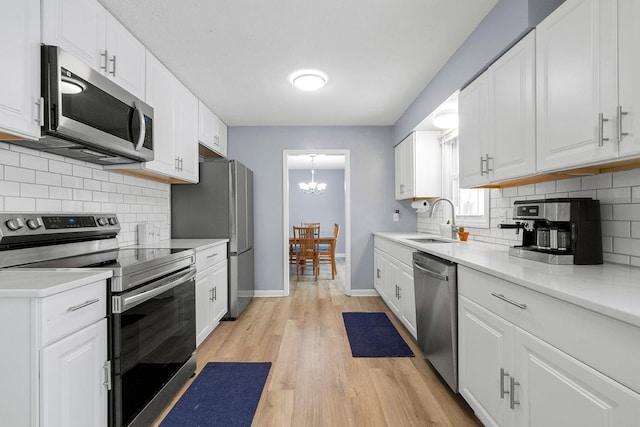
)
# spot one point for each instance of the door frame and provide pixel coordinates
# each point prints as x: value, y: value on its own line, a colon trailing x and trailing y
x: 347, y: 212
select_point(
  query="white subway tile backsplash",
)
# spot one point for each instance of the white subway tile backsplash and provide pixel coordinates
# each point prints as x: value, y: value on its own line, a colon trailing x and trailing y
x: 33, y: 162
x: 48, y: 178
x: 60, y: 167
x: 92, y: 207
x: 566, y: 185
x: 19, y: 204
x: 71, y: 206
x: 614, y: 195
x: 99, y: 196
x: 9, y: 158
x: 595, y: 182
x: 626, y: 178
x: 100, y: 175
x: 90, y: 184
x: 72, y: 181
x: 61, y: 193
x: 12, y: 173
x: 34, y: 190
x: 84, y: 195
x: 8, y: 188
x: 82, y: 171
x: 619, y: 195
x: 48, y: 205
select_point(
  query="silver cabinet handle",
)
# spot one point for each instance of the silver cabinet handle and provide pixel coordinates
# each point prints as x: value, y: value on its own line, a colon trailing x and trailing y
x: 211, y: 256
x: 378, y: 273
x: 215, y: 293
x: 113, y: 70
x: 502, y: 389
x: 487, y: 163
x: 482, y: 171
x: 512, y: 398
x: 107, y: 375
x: 510, y: 301
x: 620, y: 114
x: 105, y: 55
x: 211, y: 294
x: 83, y: 305
x: 40, y: 115
x: 601, y: 138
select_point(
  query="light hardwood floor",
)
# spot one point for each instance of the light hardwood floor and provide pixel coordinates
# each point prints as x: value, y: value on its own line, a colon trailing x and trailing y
x: 314, y: 380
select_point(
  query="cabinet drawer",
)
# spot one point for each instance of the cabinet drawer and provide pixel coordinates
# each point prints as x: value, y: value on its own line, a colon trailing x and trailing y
x: 400, y: 252
x: 72, y: 310
x: 206, y: 258
x: 605, y: 344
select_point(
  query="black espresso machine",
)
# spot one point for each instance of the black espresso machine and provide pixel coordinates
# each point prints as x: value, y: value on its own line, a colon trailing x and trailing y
x: 558, y: 231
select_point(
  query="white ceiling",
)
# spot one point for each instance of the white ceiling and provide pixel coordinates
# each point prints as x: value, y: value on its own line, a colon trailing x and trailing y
x: 320, y: 161
x: 236, y: 56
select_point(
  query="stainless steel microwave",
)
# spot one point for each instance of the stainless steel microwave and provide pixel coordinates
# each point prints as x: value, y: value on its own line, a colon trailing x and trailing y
x: 89, y: 117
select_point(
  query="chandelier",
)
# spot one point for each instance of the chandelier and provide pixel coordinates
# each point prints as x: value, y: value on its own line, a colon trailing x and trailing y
x: 312, y: 187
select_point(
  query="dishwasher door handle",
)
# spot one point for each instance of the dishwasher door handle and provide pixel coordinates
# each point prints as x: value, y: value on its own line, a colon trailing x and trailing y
x: 431, y: 273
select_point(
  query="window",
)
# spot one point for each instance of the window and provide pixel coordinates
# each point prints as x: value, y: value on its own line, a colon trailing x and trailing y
x: 472, y: 205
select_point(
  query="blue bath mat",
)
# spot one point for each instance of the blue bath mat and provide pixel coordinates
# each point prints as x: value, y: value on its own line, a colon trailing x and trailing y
x: 373, y: 335
x: 224, y: 394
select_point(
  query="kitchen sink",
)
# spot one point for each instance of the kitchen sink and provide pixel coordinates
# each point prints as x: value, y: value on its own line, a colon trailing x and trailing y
x: 429, y: 240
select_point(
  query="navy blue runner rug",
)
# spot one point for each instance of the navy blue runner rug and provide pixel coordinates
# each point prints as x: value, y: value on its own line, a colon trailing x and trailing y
x: 223, y: 394
x: 373, y: 335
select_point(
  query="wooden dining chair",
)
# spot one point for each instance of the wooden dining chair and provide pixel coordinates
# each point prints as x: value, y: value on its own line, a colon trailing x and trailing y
x: 327, y: 253
x: 316, y: 225
x: 306, y: 243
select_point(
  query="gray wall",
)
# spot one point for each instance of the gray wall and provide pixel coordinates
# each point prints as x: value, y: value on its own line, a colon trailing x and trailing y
x: 372, y: 197
x: 326, y: 208
x: 503, y: 26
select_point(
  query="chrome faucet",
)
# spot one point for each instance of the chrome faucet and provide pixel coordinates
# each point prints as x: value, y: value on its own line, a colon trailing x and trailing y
x: 454, y: 227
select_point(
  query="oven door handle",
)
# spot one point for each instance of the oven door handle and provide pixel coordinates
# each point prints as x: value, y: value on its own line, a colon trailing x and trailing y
x: 124, y: 303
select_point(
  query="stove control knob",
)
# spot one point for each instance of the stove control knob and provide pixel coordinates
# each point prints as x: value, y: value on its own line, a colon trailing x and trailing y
x: 34, y: 224
x: 102, y: 221
x: 15, y: 224
x: 113, y: 221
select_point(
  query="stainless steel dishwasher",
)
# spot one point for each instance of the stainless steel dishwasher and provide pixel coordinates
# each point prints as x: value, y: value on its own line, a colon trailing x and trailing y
x: 435, y: 281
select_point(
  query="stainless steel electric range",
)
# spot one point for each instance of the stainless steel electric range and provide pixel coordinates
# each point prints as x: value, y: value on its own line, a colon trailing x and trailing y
x: 151, y: 308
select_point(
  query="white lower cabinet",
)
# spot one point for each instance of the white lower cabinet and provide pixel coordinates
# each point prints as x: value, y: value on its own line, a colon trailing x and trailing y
x: 511, y: 377
x: 211, y: 289
x: 54, y: 370
x: 393, y: 279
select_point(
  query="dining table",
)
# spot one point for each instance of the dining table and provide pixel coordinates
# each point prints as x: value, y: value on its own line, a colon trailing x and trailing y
x: 330, y: 241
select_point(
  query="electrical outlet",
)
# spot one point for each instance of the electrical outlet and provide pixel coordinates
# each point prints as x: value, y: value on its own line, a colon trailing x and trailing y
x: 396, y: 216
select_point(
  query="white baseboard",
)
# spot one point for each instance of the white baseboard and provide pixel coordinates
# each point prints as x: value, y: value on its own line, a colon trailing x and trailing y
x: 269, y: 294
x: 364, y: 293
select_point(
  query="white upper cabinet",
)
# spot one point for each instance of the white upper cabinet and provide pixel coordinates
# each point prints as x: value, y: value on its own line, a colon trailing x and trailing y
x: 629, y: 77
x: 497, y: 119
x: 20, y: 47
x: 473, y: 107
x: 418, y: 166
x: 186, y: 133
x: 577, y: 84
x: 212, y: 132
x: 85, y: 29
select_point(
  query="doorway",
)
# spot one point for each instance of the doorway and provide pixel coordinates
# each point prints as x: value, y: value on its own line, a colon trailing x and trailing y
x: 289, y: 159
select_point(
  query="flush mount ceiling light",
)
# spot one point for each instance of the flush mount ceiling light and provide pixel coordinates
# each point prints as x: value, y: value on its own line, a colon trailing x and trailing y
x: 312, y: 187
x: 446, y: 120
x: 308, y: 80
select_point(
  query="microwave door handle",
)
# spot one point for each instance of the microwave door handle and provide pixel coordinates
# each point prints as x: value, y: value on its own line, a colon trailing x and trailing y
x: 143, y: 127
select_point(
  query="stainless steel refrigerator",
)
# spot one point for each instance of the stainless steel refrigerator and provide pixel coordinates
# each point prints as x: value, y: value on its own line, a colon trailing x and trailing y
x: 220, y: 206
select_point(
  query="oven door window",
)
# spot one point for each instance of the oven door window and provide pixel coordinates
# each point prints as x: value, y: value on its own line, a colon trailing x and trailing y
x: 154, y: 339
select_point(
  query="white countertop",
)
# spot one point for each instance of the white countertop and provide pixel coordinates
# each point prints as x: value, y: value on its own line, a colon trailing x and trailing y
x: 198, y: 244
x: 609, y: 289
x: 44, y: 282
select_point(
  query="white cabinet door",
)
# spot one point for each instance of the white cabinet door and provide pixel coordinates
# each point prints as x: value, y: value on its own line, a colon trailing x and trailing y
x: 72, y: 376
x: 77, y: 26
x: 576, y: 82
x: 185, y: 133
x: 399, y: 176
x: 379, y: 274
x: 204, y: 296
x: 20, y: 47
x: 512, y: 125
x: 557, y: 390
x: 485, y: 346
x: 219, y: 275
x: 418, y: 166
x: 85, y: 29
x: 473, y: 106
x: 205, y: 125
x: 407, y: 298
x: 159, y: 94
x: 392, y: 288
x: 126, y: 58
x: 628, y: 73
x: 220, y: 137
